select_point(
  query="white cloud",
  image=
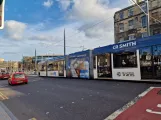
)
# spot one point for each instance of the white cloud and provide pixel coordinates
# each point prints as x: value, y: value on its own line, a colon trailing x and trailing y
x: 48, y: 3
x: 14, y: 29
x: 85, y: 32
x: 93, y: 12
x: 89, y: 10
x: 64, y: 4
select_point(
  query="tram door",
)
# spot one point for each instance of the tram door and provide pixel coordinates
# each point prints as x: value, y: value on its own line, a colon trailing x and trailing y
x: 157, y: 61
x: 146, y: 64
x: 104, y: 66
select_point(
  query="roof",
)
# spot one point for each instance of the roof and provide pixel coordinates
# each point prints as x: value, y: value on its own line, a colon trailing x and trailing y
x: 56, y: 58
x: 129, y: 45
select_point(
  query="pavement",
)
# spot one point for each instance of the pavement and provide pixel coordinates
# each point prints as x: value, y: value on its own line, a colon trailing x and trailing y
x: 66, y: 99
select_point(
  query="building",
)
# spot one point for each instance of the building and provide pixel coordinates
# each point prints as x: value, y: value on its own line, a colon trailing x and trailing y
x: 1, y: 60
x: 131, y: 23
x: 10, y: 65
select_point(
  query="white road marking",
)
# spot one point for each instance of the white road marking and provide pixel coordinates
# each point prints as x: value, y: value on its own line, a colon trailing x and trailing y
x: 73, y: 102
x: 61, y: 107
x: 2, y: 97
x: 125, y: 107
x: 47, y: 113
x: 154, y: 112
x: 159, y: 105
x: 82, y: 98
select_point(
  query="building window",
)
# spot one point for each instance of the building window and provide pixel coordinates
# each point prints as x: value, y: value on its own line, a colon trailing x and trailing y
x: 154, y: 3
x: 144, y: 21
x: 125, y: 60
x: 131, y: 24
x: 145, y: 34
x: 144, y: 7
x: 132, y: 37
x: 121, y: 26
x: 131, y: 12
x: 121, y: 15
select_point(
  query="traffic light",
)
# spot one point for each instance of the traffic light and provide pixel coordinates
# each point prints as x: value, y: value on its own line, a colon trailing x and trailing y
x: 2, y: 4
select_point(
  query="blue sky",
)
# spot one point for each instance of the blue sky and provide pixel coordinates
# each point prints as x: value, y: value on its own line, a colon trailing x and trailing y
x: 39, y: 24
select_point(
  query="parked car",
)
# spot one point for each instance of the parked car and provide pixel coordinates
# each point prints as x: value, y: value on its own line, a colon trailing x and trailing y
x: 17, y: 78
x: 4, y: 75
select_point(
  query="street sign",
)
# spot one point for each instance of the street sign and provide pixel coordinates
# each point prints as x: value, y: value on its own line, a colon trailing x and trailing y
x: 2, y: 4
x: 147, y: 106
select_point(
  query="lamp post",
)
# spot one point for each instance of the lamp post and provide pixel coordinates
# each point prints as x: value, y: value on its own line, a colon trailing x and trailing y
x: 148, y: 18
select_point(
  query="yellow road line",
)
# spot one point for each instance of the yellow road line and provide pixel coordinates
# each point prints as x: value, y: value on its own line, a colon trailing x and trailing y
x: 5, y: 97
x: 2, y: 97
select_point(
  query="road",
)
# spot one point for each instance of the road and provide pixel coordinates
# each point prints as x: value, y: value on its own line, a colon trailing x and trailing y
x: 68, y: 99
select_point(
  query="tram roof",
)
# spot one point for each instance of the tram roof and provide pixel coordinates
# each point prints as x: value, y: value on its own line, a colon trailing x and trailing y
x: 79, y: 54
x: 56, y: 58
x: 129, y: 45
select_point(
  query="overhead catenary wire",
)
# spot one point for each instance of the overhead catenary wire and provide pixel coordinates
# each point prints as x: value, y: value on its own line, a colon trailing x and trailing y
x: 86, y: 28
x: 66, y: 46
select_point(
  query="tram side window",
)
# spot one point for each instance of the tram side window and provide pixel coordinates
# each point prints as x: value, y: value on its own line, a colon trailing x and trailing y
x: 146, y: 56
x: 55, y: 66
x: 125, y: 60
x: 94, y: 62
x: 61, y: 65
x: 43, y: 68
x: 50, y: 67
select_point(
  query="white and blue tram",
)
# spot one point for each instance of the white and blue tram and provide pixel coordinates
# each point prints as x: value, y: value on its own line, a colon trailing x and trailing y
x: 130, y: 60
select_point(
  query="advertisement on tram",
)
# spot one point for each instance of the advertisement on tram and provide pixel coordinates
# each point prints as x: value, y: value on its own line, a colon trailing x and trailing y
x: 78, y: 65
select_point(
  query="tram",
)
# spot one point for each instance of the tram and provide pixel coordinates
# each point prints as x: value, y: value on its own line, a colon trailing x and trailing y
x: 138, y: 59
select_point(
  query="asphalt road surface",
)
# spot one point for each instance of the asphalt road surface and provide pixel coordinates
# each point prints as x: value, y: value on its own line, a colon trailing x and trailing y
x: 68, y: 99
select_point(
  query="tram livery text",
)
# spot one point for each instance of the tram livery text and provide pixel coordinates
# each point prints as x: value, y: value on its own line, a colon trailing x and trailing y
x: 124, y: 45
